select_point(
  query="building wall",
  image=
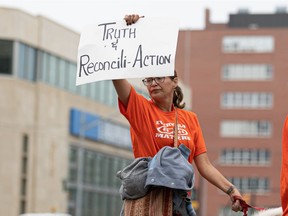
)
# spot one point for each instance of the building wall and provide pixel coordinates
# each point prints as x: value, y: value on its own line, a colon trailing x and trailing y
x: 38, y: 113
x: 39, y: 32
x: 42, y: 113
x: 13, y: 126
x: 200, y: 59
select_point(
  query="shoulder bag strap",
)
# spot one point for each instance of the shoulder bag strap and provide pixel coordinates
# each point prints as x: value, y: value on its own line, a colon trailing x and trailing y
x: 176, y: 129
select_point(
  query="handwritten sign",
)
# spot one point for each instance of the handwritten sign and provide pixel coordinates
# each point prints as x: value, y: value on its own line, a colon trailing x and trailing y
x: 113, y: 50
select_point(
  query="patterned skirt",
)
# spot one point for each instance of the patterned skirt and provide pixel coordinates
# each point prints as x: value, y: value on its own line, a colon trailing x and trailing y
x: 158, y: 202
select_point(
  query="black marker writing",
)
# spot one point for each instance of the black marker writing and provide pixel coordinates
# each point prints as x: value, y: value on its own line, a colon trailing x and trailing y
x: 88, y: 67
x: 114, y: 33
x: 146, y: 60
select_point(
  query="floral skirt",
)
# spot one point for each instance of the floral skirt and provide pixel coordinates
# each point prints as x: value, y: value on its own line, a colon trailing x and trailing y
x: 158, y: 202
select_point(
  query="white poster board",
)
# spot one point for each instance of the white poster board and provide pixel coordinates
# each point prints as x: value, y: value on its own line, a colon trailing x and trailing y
x: 113, y: 50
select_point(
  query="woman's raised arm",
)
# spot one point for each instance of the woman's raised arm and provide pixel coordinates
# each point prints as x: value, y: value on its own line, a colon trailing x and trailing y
x: 123, y: 88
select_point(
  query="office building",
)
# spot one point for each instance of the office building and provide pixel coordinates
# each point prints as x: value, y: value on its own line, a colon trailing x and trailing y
x: 51, y: 130
x: 238, y: 76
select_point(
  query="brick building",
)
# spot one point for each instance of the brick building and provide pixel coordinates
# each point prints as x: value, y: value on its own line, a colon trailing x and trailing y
x: 238, y: 75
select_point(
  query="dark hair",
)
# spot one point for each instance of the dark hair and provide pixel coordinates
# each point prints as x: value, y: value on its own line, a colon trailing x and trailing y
x: 178, y: 95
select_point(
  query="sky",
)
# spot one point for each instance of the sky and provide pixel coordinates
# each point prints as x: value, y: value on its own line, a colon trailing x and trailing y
x: 76, y: 14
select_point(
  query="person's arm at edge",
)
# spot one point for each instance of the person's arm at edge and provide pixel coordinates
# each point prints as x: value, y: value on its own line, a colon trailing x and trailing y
x: 123, y: 88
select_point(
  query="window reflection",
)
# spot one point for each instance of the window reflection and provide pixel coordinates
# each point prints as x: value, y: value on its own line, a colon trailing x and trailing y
x: 6, y: 52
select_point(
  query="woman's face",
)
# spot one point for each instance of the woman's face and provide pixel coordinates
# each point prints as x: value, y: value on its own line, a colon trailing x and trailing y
x: 161, y: 88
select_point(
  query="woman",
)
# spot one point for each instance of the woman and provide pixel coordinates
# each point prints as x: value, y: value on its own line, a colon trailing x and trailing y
x: 152, y: 124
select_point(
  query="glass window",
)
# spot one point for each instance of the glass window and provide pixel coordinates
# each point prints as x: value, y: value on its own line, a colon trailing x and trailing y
x: 72, y: 77
x: 100, y: 184
x: 247, y: 100
x: 247, y: 72
x: 111, y: 95
x: 102, y: 91
x: 27, y: 62
x: 246, y: 157
x: 44, y: 67
x: 32, y: 63
x: 63, y: 68
x: 22, y: 206
x: 53, y: 70
x: 248, y: 44
x: 244, y: 184
x: 226, y: 211
x: 237, y: 128
x: 22, y: 60
x: 82, y: 90
x: 6, y: 56
x: 254, y: 184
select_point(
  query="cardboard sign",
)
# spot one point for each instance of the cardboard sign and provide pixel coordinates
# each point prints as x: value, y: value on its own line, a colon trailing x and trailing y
x: 113, y: 50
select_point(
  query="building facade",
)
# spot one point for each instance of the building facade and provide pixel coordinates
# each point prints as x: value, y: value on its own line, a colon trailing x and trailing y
x: 238, y: 75
x: 60, y: 145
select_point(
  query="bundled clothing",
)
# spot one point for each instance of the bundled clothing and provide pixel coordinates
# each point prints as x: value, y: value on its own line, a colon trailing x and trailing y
x: 169, y: 168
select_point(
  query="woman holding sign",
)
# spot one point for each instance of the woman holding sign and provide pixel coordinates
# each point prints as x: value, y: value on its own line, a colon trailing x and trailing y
x: 162, y: 122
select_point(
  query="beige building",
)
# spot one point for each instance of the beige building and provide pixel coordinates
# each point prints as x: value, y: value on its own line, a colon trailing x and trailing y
x: 238, y: 74
x: 37, y: 146
x: 60, y: 145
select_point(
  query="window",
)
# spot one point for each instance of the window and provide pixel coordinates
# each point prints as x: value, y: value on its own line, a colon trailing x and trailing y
x: 247, y: 72
x: 92, y: 90
x: 6, y: 56
x: 110, y: 132
x: 253, y: 157
x: 120, y: 135
x: 247, y: 100
x: 71, y: 76
x: 226, y: 211
x: 63, y: 71
x: 42, y: 66
x: 248, y: 44
x: 24, y: 172
x: 111, y: 94
x: 53, y: 70
x: 242, y: 128
x: 100, y: 187
x: 82, y: 90
x: 251, y: 184
x: 27, y: 62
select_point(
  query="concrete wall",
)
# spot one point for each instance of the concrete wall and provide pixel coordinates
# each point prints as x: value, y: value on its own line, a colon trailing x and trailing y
x: 39, y: 32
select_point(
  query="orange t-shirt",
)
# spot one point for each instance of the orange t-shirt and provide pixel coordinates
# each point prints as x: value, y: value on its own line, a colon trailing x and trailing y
x: 151, y: 128
x: 284, y: 170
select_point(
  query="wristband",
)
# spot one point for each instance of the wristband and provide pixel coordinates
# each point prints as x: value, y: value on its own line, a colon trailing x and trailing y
x: 230, y: 190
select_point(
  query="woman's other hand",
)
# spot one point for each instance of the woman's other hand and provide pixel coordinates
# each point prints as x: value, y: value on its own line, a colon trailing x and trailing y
x: 236, y: 206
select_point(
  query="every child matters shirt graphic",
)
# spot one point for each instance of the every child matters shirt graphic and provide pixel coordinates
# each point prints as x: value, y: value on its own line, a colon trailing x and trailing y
x: 166, y: 131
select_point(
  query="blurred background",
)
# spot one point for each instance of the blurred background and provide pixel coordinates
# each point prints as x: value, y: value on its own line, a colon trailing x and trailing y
x: 61, y: 145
